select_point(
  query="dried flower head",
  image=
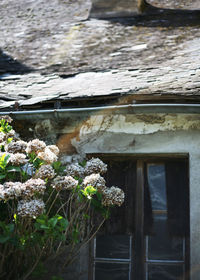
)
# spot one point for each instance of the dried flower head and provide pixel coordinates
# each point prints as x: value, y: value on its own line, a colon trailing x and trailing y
x: 17, y: 147
x: 13, y: 189
x: 2, y: 137
x: 113, y: 196
x: 12, y: 134
x: 35, y: 146
x: 64, y: 182
x: 30, y: 208
x: 33, y: 186
x: 75, y: 170
x: 95, y: 165
x: 94, y: 180
x: 54, y: 149
x: 17, y: 159
x: 6, y: 118
x: 2, y: 195
x: 47, y: 156
x: 6, y: 192
x: 45, y: 171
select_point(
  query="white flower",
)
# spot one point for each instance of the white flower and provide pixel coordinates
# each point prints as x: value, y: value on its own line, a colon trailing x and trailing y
x: 2, y: 137
x: 54, y: 149
x: 95, y: 165
x: 11, y: 190
x: 17, y: 159
x: 47, y: 156
x: 45, y: 171
x: 35, y: 146
x: 94, y: 180
x: 6, y: 118
x: 30, y: 208
x: 75, y: 170
x: 64, y: 182
x: 16, y: 147
x: 113, y: 196
x: 12, y: 134
x: 33, y: 186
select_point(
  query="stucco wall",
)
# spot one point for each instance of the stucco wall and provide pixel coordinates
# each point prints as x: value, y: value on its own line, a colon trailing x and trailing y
x: 135, y: 134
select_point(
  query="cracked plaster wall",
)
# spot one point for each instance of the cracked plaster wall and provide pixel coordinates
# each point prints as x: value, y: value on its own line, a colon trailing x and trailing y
x: 152, y: 134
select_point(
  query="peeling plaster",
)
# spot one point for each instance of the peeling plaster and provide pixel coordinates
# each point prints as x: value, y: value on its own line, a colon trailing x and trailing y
x: 140, y: 124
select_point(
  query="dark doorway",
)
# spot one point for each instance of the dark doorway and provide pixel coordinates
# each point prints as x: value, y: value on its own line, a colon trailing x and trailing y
x: 148, y: 238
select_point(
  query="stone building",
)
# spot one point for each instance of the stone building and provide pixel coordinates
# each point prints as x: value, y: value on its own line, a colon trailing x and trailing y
x: 127, y: 90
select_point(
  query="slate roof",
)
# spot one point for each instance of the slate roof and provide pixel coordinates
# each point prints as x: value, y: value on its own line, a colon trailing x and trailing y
x: 61, y: 58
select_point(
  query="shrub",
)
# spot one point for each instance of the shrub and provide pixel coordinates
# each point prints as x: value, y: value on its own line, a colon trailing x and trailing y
x: 46, y: 208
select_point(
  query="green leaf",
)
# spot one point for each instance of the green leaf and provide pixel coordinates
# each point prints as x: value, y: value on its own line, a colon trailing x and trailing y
x: 4, y: 238
x: 2, y: 176
x: 52, y: 222
x: 64, y: 223
x: 44, y: 227
x: 40, y: 221
x: 9, y: 140
x: 13, y: 169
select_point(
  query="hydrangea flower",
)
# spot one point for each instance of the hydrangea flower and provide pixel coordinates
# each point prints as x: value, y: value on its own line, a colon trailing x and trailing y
x: 30, y: 208
x: 94, y: 180
x: 74, y: 170
x: 45, y: 171
x: 2, y: 137
x: 16, y: 147
x: 64, y: 183
x: 113, y: 196
x: 6, y: 118
x: 47, y: 156
x: 17, y: 159
x: 95, y: 165
x: 33, y: 186
x: 54, y: 149
x: 35, y: 146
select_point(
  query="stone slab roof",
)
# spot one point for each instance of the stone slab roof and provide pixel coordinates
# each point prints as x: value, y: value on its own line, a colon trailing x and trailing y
x: 59, y: 55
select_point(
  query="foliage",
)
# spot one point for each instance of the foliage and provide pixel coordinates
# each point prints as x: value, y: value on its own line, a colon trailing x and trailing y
x: 45, y: 207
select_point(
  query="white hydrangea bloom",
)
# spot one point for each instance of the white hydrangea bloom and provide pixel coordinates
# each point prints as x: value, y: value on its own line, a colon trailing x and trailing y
x: 45, y: 171
x: 17, y: 159
x: 64, y: 182
x: 6, y: 193
x: 30, y: 208
x: 6, y: 118
x: 54, y: 149
x: 16, y: 189
x: 16, y: 147
x: 94, y: 180
x: 33, y: 186
x: 12, y: 134
x: 35, y: 146
x: 74, y: 170
x: 113, y: 196
x: 95, y: 165
x: 2, y: 194
x: 2, y: 137
x: 47, y: 156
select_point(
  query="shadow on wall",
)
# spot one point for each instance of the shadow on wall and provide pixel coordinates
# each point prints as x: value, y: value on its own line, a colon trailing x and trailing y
x: 157, y: 17
x: 11, y: 65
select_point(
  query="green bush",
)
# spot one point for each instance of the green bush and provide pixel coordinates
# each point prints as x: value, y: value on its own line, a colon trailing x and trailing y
x: 45, y: 207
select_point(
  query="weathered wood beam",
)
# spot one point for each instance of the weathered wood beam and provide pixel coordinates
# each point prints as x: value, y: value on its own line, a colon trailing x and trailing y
x: 117, y: 8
